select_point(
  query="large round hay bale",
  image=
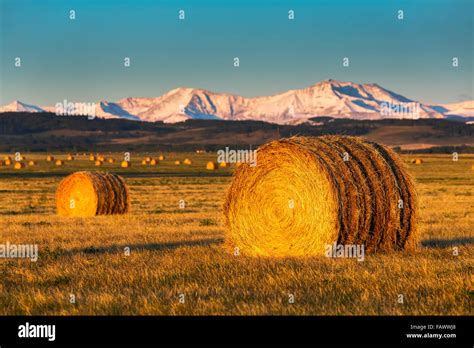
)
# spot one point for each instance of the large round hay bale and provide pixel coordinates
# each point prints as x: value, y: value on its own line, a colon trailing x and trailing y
x: 307, y: 193
x: 92, y: 193
x: 211, y: 166
x: 19, y: 165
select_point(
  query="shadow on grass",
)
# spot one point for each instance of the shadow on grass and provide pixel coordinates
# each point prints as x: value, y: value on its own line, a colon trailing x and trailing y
x: 146, y: 247
x: 443, y: 243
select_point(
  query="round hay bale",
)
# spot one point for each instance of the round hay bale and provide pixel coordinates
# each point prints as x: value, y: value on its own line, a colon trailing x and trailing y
x: 308, y: 193
x: 161, y: 158
x: 177, y: 162
x: 147, y: 159
x: 153, y: 162
x: 19, y: 165
x: 59, y: 162
x: 92, y: 193
x: 7, y: 158
x: 101, y: 158
x: 211, y: 166
x: 223, y: 164
x: 50, y: 158
x: 126, y: 164
x: 98, y: 163
x: 187, y: 162
x: 70, y: 157
x: 472, y: 167
x: 31, y: 163
x: 8, y: 162
x: 417, y: 161
x: 92, y: 158
x: 144, y: 162
x: 110, y: 160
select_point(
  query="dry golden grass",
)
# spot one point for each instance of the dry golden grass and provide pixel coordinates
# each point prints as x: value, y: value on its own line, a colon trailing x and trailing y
x: 179, y: 251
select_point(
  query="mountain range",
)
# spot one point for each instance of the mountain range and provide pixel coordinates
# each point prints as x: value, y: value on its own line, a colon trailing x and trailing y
x: 326, y: 98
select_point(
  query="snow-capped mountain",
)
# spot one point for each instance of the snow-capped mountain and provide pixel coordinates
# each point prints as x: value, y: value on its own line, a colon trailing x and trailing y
x: 18, y: 106
x: 326, y: 98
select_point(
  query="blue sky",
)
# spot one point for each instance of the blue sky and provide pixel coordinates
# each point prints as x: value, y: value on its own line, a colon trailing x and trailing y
x: 82, y: 59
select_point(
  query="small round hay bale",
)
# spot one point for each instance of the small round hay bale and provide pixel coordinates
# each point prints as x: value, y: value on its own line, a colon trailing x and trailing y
x: 177, y: 162
x: 101, y: 158
x: 144, y: 162
x: 211, y: 166
x: 98, y: 163
x: 153, y: 162
x: 31, y: 163
x: 92, y: 193
x: 187, y: 162
x: 7, y: 158
x: 70, y: 157
x: 19, y: 165
x: 223, y: 164
x: 308, y: 193
x: 110, y: 160
x: 161, y: 158
x: 8, y: 162
x: 22, y: 158
x: 50, y: 158
x: 92, y: 158
x: 59, y: 162
x: 126, y: 164
x: 417, y: 161
x: 147, y: 159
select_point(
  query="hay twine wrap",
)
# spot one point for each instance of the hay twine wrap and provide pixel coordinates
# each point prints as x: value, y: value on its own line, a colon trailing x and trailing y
x: 306, y: 193
x: 92, y: 193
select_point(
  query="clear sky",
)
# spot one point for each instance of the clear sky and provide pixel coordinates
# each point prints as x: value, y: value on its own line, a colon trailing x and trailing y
x: 82, y: 59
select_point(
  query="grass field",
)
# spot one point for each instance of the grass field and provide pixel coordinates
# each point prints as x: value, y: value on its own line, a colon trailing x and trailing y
x: 178, y: 266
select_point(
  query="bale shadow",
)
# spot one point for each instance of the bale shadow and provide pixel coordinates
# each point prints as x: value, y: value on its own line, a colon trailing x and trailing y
x: 443, y: 243
x: 144, y: 247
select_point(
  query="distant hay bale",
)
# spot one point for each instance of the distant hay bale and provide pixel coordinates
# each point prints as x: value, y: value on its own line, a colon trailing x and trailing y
x: 161, y: 158
x: 144, y: 162
x: 59, y: 162
x: 153, y: 162
x: 92, y: 158
x: 50, y: 158
x: 223, y: 164
x: 177, y: 162
x: 101, y: 158
x: 7, y: 158
x: 110, y: 160
x: 211, y: 166
x: 98, y: 163
x: 417, y: 161
x: 19, y: 165
x: 147, y: 159
x: 31, y: 163
x: 306, y: 193
x: 70, y: 157
x: 92, y: 193
x: 8, y: 162
x: 187, y: 161
x: 126, y: 164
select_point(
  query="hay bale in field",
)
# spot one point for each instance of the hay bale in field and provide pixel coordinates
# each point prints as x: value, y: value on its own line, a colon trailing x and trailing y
x: 8, y: 162
x: 144, y: 162
x: 50, y: 158
x: 417, y: 161
x: 98, y: 163
x: 92, y: 193
x: 307, y: 193
x: 92, y: 158
x: 31, y: 163
x: 147, y: 159
x: 187, y: 161
x: 70, y: 157
x: 472, y: 167
x: 59, y: 162
x: 126, y: 164
x: 19, y: 165
x: 177, y: 162
x: 223, y: 164
x: 153, y: 162
x: 211, y: 166
x: 110, y: 160
x: 161, y: 158
x: 101, y: 158
x: 7, y: 158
